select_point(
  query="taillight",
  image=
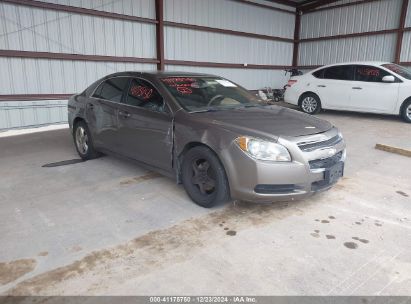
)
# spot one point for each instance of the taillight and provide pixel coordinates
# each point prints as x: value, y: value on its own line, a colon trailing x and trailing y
x: 291, y: 82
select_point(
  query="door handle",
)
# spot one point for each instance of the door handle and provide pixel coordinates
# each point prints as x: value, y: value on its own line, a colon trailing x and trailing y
x: 357, y: 88
x: 124, y: 114
x: 321, y: 86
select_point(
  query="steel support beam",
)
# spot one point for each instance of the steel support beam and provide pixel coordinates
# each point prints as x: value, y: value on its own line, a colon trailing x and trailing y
x: 297, y: 28
x: 160, y: 34
x: 401, y: 30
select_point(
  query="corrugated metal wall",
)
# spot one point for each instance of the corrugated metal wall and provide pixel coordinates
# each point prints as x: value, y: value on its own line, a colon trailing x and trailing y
x: 339, y: 3
x: 192, y: 45
x: 370, y: 16
x: 408, y: 19
x: 32, y: 29
x: 406, y: 48
x: 231, y: 15
x: 32, y: 113
x: 45, y: 76
x: 139, y: 8
x: 406, y: 44
x: 378, y: 47
x: 25, y: 28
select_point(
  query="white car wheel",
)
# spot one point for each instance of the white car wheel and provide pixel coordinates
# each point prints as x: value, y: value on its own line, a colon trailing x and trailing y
x: 406, y: 111
x: 310, y: 104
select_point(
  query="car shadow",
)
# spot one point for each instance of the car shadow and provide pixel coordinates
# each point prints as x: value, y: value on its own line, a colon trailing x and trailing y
x: 362, y: 115
x: 348, y: 114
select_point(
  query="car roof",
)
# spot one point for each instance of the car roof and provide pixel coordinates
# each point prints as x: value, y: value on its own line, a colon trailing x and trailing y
x: 149, y: 75
x: 375, y: 63
x: 158, y: 74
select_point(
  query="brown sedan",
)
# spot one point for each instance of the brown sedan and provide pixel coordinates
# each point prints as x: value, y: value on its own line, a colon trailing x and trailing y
x: 208, y: 133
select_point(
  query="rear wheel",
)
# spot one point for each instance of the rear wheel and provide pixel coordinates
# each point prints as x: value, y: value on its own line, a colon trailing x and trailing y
x: 310, y: 103
x: 83, y: 141
x: 204, y: 177
x: 406, y: 111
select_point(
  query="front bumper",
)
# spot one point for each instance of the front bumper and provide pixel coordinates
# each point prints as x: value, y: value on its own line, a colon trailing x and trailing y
x: 310, y: 171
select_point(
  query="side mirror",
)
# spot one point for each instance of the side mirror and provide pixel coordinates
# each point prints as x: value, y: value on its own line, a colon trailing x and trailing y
x: 388, y: 78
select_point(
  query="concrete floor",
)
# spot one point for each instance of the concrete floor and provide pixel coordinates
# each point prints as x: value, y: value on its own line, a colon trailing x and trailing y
x: 110, y: 227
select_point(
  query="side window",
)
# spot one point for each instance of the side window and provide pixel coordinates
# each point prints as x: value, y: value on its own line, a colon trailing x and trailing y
x: 369, y: 73
x: 142, y: 94
x: 342, y: 72
x: 112, y: 89
x: 97, y: 92
x: 319, y: 74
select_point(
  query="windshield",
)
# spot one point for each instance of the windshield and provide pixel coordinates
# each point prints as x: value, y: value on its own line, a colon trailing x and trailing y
x: 198, y: 94
x: 398, y: 69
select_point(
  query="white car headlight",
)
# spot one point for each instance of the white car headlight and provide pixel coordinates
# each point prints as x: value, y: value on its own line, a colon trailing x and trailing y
x: 263, y: 150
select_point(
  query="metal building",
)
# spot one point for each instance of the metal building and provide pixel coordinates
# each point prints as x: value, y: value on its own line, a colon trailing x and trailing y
x: 352, y: 31
x: 50, y: 49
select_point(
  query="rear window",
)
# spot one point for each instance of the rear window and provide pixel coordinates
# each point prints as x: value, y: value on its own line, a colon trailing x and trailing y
x: 369, y: 73
x: 342, y: 72
x: 319, y: 74
x: 112, y: 89
x: 398, y: 69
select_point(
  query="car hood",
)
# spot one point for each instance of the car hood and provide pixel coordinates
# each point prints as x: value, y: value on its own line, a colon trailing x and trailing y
x: 271, y: 120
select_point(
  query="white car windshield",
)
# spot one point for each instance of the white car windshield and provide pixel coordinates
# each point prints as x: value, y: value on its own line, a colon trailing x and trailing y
x: 398, y: 69
x: 198, y: 94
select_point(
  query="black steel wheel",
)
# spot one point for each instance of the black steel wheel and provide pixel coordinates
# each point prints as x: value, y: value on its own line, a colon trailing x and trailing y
x: 204, y: 177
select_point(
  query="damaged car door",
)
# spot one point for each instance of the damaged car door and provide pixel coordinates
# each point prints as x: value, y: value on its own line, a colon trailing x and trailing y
x: 145, y: 125
x: 101, y: 111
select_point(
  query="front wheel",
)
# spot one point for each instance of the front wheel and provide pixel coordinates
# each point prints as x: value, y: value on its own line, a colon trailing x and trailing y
x: 406, y: 111
x: 204, y: 177
x: 310, y: 103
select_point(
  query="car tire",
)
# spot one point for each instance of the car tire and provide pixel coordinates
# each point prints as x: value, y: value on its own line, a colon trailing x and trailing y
x: 204, y: 177
x: 83, y: 141
x: 310, y: 103
x: 406, y: 111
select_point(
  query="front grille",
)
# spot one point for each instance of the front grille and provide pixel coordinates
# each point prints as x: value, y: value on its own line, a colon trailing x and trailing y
x: 274, y: 189
x: 319, y: 145
x: 326, y: 162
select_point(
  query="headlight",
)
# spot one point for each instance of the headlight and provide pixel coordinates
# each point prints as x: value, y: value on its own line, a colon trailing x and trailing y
x: 263, y: 150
